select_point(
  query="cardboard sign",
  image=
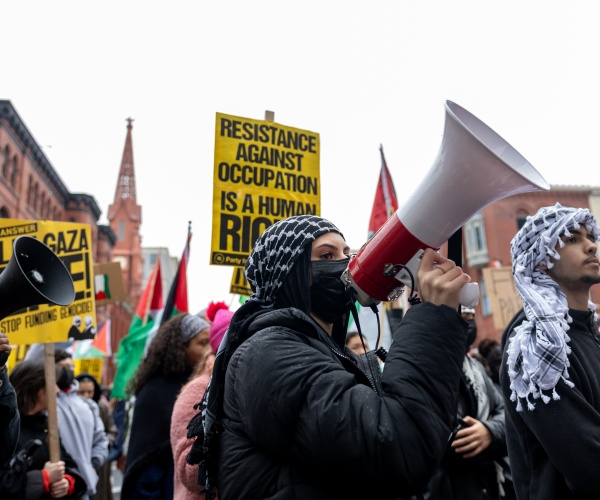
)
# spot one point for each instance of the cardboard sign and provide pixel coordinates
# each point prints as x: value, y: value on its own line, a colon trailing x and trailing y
x: 108, y: 283
x: 504, y: 299
x: 43, y: 323
x: 263, y: 172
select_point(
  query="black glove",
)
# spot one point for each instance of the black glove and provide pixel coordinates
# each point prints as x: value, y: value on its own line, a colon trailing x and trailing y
x: 96, y: 464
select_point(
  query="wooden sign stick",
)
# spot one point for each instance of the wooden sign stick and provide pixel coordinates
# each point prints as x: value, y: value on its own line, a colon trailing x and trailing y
x: 50, y: 374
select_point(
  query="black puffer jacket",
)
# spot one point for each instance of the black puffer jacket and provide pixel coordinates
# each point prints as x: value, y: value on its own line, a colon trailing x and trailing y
x: 302, y: 421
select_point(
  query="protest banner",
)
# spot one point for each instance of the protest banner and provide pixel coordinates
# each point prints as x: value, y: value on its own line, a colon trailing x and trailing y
x: 239, y: 283
x: 72, y: 243
x: 502, y: 294
x: 93, y: 366
x: 263, y: 172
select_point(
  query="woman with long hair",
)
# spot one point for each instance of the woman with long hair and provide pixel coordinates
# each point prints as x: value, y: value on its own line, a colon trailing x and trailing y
x: 173, y: 353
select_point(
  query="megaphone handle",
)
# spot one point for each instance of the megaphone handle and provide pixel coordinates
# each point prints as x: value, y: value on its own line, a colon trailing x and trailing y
x: 469, y: 294
x: 4, y: 357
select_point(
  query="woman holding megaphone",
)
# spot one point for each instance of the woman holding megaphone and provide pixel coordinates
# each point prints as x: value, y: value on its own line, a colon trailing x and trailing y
x: 289, y: 413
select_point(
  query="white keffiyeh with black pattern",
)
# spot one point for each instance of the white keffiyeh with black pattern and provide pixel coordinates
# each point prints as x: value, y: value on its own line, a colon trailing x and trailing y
x: 538, y: 352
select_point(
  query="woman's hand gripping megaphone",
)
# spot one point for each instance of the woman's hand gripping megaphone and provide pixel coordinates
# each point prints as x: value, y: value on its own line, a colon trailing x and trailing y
x: 440, y: 280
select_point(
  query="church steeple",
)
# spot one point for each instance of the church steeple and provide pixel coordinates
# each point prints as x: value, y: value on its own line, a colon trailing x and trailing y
x: 125, y: 219
x: 126, y: 182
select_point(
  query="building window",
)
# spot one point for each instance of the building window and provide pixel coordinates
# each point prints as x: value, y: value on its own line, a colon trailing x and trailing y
x: 13, y: 172
x: 42, y: 204
x: 521, y: 219
x: 477, y: 252
x: 121, y: 231
x: 30, y: 190
x: 4, y: 213
x: 34, y: 201
x: 5, y: 154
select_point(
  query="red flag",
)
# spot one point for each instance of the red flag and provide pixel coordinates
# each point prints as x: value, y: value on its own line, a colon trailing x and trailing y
x: 385, y: 203
x: 177, y: 300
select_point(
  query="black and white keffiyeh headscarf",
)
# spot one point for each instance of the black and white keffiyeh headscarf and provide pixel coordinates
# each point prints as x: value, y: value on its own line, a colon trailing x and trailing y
x: 538, y: 352
x: 275, y: 256
x: 276, y: 251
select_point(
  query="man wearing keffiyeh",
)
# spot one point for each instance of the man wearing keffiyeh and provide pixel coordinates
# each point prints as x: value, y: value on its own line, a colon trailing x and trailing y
x: 550, y: 371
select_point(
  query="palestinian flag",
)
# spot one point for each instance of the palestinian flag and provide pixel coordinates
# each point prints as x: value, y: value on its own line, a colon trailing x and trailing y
x: 177, y: 300
x: 101, y: 342
x: 101, y: 286
x: 385, y: 203
x: 146, y: 318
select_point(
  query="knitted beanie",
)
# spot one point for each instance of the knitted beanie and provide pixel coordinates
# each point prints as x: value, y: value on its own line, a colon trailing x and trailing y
x: 220, y: 316
x: 219, y: 327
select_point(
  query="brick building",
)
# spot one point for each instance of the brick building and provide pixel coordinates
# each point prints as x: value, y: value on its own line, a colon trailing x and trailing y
x: 487, y: 236
x: 30, y: 188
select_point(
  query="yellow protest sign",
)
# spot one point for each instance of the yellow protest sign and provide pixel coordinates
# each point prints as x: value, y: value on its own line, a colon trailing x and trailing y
x: 263, y: 172
x: 93, y: 366
x: 43, y: 323
x: 504, y: 298
x: 239, y: 283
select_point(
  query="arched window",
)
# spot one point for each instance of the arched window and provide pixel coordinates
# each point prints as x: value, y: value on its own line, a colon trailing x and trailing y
x: 6, y: 155
x: 30, y: 190
x: 34, y: 198
x: 121, y: 235
x: 12, y: 168
x: 13, y: 172
x: 42, y: 204
x: 4, y: 213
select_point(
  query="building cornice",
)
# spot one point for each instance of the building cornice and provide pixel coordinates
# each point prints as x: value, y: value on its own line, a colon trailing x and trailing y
x: 87, y: 200
x: 9, y: 113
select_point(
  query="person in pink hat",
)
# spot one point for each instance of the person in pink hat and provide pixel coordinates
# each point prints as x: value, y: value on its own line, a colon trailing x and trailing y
x: 220, y: 316
x: 186, y: 476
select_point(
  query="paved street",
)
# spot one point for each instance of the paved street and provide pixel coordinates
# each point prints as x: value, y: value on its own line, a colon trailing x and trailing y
x: 117, y: 480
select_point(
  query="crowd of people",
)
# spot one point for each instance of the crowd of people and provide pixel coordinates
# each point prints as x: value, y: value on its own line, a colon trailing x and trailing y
x: 277, y: 400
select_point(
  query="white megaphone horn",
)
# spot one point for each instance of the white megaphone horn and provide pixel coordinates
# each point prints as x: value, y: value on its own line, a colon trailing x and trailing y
x: 474, y: 167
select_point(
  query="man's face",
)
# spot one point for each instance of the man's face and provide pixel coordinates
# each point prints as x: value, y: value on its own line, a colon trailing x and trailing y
x: 578, y: 265
x: 467, y: 316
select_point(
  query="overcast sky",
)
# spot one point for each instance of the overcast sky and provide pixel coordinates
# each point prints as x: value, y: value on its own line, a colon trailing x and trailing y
x: 358, y: 73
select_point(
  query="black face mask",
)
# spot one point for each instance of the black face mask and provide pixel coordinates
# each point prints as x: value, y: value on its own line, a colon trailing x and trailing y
x: 65, y: 378
x: 328, y: 295
x: 471, y: 332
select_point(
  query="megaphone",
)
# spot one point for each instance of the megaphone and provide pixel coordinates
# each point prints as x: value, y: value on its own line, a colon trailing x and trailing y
x: 34, y: 275
x: 474, y: 167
